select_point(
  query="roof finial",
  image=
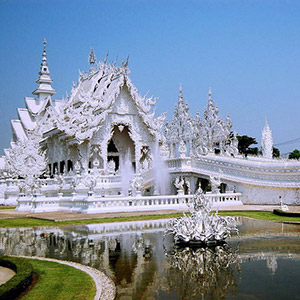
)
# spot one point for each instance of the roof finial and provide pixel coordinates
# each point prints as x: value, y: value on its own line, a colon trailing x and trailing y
x: 44, y: 59
x: 44, y: 79
x: 209, y: 92
x: 180, y: 96
x: 92, y: 57
x: 106, y: 58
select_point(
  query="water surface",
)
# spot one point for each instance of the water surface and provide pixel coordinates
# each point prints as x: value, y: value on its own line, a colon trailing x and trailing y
x: 263, y: 263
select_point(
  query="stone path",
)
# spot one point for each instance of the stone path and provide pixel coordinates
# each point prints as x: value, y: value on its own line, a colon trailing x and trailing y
x: 5, y: 274
x: 68, y: 216
x: 105, y: 288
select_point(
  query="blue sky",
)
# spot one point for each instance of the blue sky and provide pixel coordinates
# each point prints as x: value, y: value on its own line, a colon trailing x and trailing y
x: 247, y: 51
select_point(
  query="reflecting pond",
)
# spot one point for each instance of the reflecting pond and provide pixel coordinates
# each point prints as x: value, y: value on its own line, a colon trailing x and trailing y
x: 262, y: 263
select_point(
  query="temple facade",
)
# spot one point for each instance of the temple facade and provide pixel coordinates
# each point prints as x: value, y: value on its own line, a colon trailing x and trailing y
x: 103, y: 149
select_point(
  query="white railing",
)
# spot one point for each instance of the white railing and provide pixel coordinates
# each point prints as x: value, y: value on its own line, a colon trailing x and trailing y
x: 96, y: 204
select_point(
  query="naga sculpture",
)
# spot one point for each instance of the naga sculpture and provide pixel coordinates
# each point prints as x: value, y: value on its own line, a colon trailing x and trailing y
x: 200, y: 227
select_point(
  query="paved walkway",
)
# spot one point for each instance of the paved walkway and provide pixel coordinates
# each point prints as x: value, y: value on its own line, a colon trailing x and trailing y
x: 105, y: 288
x: 69, y: 216
x: 5, y: 274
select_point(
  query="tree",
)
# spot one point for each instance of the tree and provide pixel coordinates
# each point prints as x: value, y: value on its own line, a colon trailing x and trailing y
x: 276, y: 152
x: 244, y: 145
x: 295, y: 154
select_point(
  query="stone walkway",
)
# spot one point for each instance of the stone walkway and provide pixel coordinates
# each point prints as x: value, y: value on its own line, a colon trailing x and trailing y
x: 69, y: 216
x: 5, y: 274
x: 105, y: 288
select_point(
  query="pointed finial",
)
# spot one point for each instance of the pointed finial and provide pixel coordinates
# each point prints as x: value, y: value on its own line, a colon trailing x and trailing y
x: 125, y: 63
x: 92, y: 57
x: 180, y: 96
x: 45, y: 89
x: 45, y: 44
x: 106, y: 57
x: 180, y: 88
x: 44, y: 59
x: 209, y: 92
x: 115, y: 61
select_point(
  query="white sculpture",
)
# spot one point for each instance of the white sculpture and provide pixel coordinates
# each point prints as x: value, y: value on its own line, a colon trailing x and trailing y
x: 111, y: 167
x: 215, y: 182
x: 182, y: 149
x: 267, y: 141
x: 26, y: 160
x: 201, y: 227
x: 136, y: 184
x: 179, y: 183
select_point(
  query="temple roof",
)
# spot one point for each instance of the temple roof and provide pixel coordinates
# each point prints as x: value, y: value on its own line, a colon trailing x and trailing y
x: 93, y: 97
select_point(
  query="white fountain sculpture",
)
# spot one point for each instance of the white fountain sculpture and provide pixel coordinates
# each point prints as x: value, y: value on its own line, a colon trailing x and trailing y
x: 201, y: 227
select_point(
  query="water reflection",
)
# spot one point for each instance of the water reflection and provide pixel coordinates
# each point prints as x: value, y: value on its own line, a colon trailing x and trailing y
x: 145, y: 266
x: 203, y: 271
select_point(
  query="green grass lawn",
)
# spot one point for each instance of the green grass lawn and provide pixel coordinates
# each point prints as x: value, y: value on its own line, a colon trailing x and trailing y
x: 57, y: 282
x: 8, y: 207
x: 31, y: 222
x: 262, y: 215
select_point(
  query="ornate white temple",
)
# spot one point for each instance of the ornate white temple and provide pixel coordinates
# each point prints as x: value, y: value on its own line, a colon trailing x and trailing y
x: 102, y: 149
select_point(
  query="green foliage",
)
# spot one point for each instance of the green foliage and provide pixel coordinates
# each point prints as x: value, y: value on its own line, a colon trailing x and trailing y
x: 18, y: 283
x: 244, y: 145
x: 276, y: 152
x: 279, y: 212
x: 295, y: 154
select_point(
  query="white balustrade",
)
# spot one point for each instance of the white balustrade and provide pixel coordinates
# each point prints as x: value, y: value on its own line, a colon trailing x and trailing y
x: 96, y: 204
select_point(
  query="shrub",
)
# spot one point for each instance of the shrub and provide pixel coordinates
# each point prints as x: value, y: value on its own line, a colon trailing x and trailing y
x: 279, y: 212
x: 18, y: 283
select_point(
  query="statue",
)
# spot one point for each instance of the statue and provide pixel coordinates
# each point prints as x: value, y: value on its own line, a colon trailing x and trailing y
x: 136, y: 184
x: 182, y: 149
x: 215, y: 182
x: 111, y: 167
x: 179, y: 183
x: 200, y: 227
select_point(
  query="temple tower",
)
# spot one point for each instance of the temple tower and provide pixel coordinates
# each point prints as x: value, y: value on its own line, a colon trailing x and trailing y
x: 44, y: 89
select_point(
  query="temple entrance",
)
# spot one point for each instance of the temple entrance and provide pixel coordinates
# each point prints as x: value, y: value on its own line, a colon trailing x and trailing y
x: 120, y: 148
x: 113, y: 154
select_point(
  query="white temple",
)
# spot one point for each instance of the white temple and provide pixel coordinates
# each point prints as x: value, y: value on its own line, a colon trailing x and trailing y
x: 102, y: 149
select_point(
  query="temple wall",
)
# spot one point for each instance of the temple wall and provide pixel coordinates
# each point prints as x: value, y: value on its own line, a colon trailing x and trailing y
x: 268, y: 195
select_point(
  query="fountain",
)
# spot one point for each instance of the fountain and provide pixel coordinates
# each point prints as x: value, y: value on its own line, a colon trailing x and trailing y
x: 200, y: 226
x: 127, y: 173
x: 160, y: 173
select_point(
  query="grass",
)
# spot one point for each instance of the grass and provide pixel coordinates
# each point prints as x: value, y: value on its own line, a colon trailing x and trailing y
x: 8, y: 207
x: 31, y: 222
x: 261, y: 215
x: 57, y: 281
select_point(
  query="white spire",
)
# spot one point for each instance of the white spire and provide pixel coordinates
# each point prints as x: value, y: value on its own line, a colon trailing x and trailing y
x: 92, y: 58
x: 44, y: 89
x: 267, y: 141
